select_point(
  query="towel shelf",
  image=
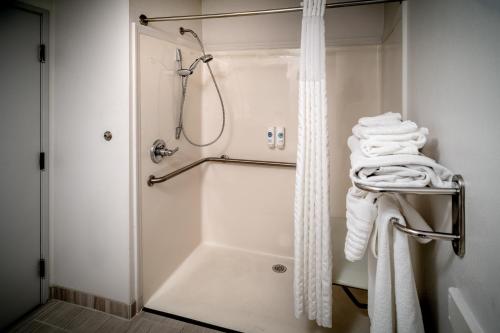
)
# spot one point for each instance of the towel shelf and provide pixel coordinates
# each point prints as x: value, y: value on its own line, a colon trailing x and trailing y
x: 457, y: 236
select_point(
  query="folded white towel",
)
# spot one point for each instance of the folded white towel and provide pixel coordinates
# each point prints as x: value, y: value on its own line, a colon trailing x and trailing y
x: 393, y: 304
x: 400, y: 127
x: 380, y: 148
x: 417, y: 137
x: 361, y: 212
x: 386, y: 119
x: 396, y: 170
x: 405, y: 138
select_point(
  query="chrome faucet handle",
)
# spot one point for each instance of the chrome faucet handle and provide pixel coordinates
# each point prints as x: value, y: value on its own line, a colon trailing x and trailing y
x: 159, y: 150
x: 167, y: 152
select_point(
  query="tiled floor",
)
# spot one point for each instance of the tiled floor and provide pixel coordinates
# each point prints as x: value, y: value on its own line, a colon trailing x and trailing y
x: 58, y: 316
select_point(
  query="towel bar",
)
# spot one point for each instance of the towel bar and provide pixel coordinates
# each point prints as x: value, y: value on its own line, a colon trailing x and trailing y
x: 457, y: 236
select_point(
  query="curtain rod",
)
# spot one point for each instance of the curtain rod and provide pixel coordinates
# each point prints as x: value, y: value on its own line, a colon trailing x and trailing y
x: 144, y: 20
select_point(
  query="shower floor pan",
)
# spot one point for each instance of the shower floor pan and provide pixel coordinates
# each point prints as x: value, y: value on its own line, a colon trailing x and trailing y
x: 239, y: 290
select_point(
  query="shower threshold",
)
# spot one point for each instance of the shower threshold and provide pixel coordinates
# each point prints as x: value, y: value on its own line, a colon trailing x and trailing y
x: 238, y: 290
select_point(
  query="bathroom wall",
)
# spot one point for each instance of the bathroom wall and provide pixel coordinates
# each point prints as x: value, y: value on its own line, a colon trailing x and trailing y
x: 454, y: 75
x: 90, y: 179
x: 170, y: 212
x: 240, y: 206
x: 345, y: 26
x: 392, y: 59
x: 259, y: 88
x: 91, y: 229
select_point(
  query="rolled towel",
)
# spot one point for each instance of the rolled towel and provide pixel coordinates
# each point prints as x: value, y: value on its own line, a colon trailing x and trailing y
x: 360, y: 213
x: 386, y: 119
x: 396, y: 170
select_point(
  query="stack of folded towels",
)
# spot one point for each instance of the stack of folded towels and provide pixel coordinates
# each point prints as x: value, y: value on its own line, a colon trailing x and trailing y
x: 388, y: 135
x: 385, y: 152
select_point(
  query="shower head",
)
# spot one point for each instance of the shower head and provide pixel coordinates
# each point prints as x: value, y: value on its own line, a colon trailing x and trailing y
x: 204, y: 58
x: 184, y: 72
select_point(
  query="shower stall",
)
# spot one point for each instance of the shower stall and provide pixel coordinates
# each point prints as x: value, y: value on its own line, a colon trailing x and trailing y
x: 216, y: 232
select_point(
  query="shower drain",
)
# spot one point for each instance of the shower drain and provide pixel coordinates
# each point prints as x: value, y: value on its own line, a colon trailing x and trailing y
x: 279, y: 268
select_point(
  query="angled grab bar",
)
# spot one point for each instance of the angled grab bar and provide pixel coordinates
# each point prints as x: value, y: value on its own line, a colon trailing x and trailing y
x: 457, y: 236
x: 223, y: 159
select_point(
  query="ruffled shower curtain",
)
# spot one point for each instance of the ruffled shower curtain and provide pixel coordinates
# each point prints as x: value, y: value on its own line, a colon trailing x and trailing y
x: 313, y: 253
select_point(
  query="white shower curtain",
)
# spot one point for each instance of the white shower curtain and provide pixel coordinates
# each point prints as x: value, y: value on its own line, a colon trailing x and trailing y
x: 313, y: 253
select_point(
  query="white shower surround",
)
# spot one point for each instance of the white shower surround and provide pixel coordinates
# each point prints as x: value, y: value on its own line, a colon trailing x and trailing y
x: 244, y: 208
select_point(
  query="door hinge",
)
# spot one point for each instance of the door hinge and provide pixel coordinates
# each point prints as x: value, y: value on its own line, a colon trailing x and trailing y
x: 42, y: 268
x: 41, y: 53
x: 42, y: 161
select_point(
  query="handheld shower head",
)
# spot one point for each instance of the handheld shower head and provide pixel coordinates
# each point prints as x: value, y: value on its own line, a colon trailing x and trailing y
x: 185, y: 71
x: 204, y: 58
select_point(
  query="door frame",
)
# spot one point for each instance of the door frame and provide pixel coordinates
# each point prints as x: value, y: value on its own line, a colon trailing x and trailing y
x: 44, y: 144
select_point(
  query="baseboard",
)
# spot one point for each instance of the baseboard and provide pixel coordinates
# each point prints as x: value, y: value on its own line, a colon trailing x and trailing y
x: 127, y: 311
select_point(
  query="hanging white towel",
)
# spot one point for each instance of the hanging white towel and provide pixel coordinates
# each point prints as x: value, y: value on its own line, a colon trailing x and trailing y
x: 361, y: 212
x: 393, y: 304
x: 312, y: 244
x: 396, y: 170
x: 412, y: 217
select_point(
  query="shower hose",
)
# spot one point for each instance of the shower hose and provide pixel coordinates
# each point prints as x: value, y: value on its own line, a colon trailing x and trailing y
x: 183, y: 99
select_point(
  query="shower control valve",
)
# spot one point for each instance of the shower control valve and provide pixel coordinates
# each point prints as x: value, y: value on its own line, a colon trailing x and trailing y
x: 159, y: 150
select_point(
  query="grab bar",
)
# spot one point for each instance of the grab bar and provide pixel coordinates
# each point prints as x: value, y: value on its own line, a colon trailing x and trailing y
x: 223, y: 159
x: 457, y: 236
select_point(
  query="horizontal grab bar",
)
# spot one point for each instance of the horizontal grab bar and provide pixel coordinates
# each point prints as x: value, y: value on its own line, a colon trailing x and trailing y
x: 223, y: 159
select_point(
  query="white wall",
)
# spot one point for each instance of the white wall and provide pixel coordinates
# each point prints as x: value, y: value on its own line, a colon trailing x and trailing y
x: 90, y: 218
x: 392, y: 67
x: 252, y: 207
x: 170, y: 212
x: 344, y: 26
x: 454, y: 80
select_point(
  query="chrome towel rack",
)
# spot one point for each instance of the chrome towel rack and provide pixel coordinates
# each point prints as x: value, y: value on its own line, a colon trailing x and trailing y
x: 457, y: 236
x: 222, y: 159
